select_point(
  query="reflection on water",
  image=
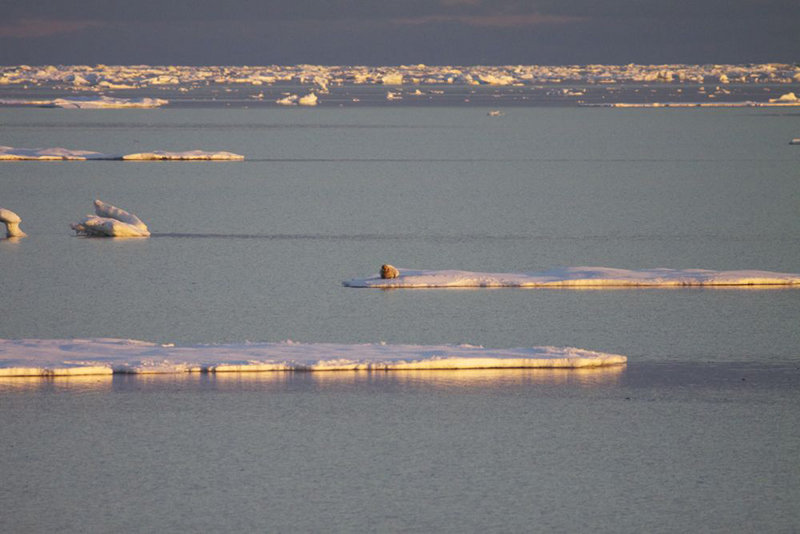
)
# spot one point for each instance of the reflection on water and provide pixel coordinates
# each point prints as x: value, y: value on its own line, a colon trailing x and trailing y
x: 479, y: 377
x: 582, y: 377
x: 75, y: 383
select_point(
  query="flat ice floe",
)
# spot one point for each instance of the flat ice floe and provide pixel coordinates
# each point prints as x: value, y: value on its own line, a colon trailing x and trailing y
x: 8, y: 153
x: 744, y: 104
x: 577, y: 277
x: 56, y: 357
x: 90, y: 102
x: 186, y: 156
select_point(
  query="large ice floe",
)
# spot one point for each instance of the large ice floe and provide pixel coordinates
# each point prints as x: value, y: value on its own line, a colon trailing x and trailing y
x: 8, y: 153
x: 110, y: 221
x: 55, y: 357
x: 89, y: 102
x: 578, y: 277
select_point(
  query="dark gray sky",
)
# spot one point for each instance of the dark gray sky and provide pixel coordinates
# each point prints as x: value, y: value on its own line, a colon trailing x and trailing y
x: 390, y: 32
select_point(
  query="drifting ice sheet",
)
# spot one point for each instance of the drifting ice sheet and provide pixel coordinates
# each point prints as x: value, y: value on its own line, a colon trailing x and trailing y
x: 55, y: 357
x: 188, y: 155
x: 9, y: 153
x: 579, y: 277
x: 101, y: 102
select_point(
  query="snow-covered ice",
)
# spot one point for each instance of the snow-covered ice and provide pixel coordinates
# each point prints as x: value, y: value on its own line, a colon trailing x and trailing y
x: 288, y: 100
x: 8, y: 153
x: 579, y: 277
x: 90, y: 102
x: 110, y: 221
x: 186, y: 155
x: 308, y: 100
x: 786, y: 97
x: 773, y: 102
x: 54, y: 357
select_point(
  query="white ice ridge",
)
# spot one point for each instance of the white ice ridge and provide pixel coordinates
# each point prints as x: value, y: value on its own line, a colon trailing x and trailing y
x: 89, y: 102
x: 110, y: 221
x: 577, y: 277
x: 8, y: 153
x: 53, y: 357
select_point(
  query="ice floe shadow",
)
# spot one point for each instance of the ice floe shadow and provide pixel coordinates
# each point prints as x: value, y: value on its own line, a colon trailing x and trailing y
x: 232, y: 380
x: 337, y: 237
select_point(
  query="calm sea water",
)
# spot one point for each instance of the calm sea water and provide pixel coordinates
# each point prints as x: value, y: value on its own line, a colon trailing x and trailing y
x: 700, y: 431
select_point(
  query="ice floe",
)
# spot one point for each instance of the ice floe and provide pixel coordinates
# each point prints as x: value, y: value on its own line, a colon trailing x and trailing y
x: 186, y: 155
x: 11, y: 220
x: 787, y: 97
x: 86, y: 102
x: 577, y: 277
x: 774, y: 102
x: 288, y: 100
x: 8, y: 153
x: 110, y: 221
x: 55, y: 357
x: 308, y: 100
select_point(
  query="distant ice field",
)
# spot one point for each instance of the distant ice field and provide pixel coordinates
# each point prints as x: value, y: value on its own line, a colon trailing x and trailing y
x: 561, y: 95
x: 102, y: 86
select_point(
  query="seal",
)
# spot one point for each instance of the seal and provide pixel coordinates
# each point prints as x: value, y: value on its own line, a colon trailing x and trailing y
x: 388, y: 271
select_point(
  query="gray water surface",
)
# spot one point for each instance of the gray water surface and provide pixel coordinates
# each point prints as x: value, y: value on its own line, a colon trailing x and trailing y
x: 257, y: 250
x: 698, y: 433
x: 652, y: 448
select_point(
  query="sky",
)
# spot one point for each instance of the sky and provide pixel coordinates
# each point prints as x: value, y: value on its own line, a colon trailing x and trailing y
x: 396, y: 32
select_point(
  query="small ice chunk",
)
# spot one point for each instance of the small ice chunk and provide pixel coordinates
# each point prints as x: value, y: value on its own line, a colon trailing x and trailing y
x: 392, y: 78
x: 308, y: 100
x: 110, y: 221
x: 11, y: 220
x: 288, y: 100
x: 785, y: 98
x: 107, y: 210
